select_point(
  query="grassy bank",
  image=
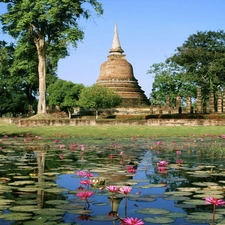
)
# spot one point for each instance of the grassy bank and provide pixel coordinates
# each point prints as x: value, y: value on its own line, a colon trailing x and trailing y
x: 111, y: 131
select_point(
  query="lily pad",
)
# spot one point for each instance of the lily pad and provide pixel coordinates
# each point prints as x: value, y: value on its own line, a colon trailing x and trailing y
x: 25, y: 208
x: 152, y: 211
x: 18, y: 216
x: 159, y: 220
x: 103, y: 218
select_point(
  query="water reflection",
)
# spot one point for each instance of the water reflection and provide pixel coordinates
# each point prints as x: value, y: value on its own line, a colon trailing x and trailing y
x: 39, y: 178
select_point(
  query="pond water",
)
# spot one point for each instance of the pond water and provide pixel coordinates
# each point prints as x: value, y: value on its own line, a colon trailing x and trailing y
x: 169, y: 180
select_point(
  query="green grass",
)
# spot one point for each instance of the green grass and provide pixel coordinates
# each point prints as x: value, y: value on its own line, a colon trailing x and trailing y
x: 111, y: 131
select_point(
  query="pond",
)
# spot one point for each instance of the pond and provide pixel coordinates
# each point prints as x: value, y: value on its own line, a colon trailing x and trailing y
x: 102, y: 181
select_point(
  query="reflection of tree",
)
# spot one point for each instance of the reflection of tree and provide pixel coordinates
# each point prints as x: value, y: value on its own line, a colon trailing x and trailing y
x: 41, y: 169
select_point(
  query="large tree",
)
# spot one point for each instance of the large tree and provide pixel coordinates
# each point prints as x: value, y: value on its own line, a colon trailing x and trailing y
x: 98, y: 97
x: 202, y: 56
x: 64, y: 94
x: 169, y: 81
x: 52, y: 25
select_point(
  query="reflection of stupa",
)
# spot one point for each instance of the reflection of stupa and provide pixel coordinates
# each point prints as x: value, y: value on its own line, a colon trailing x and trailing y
x: 117, y: 74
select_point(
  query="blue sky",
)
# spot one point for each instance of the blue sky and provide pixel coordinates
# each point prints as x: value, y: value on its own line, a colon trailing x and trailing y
x: 149, y: 32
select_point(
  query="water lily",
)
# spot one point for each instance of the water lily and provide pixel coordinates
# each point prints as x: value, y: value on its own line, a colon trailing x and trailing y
x: 112, y: 188
x: 131, y: 221
x: 82, y: 148
x: 162, y: 163
x: 131, y: 169
x: 85, y: 194
x: 125, y: 190
x: 84, y: 217
x: 161, y: 169
x: 179, y: 161
x: 178, y: 152
x: 133, y: 139
x: 81, y: 173
x: 86, y: 182
x: 215, y: 202
x: 158, y: 142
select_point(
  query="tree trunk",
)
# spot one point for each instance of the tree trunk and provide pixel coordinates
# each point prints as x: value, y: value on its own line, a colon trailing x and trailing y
x: 41, y: 50
x: 69, y: 113
x: 96, y: 114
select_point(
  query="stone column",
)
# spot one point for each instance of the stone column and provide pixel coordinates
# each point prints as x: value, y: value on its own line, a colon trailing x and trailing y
x: 211, y: 103
x: 188, y: 104
x: 178, y: 104
x: 199, y: 100
x: 167, y: 101
x: 219, y: 103
x: 223, y: 100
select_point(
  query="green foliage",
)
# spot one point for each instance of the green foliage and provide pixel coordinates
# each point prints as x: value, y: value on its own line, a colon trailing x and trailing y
x: 169, y: 82
x: 64, y: 94
x: 51, y: 26
x: 14, y: 98
x: 202, y: 56
x: 97, y: 96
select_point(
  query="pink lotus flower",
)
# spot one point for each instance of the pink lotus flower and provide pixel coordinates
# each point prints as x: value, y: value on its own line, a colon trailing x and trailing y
x: 6, y: 136
x: 84, y: 174
x: 162, y: 163
x: 110, y: 156
x: 38, y: 137
x: 223, y: 136
x: 131, y: 169
x: 62, y: 146
x: 179, y: 161
x: 133, y: 139
x: 61, y: 157
x: 131, y: 221
x: 116, y: 145
x: 81, y: 173
x: 214, y: 201
x: 158, y: 142
x: 56, y: 141
x: 161, y: 168
x: 125, y: 190
x: 178, y: 152
x: 72, y: 147
x: 112, y: 188
x: 85, y: 194
x: 82, y: 148
x: 86, y: 182
x: 88, y: 174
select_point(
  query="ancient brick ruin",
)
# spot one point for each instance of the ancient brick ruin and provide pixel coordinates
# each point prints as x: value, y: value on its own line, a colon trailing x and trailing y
x: 117, y: 73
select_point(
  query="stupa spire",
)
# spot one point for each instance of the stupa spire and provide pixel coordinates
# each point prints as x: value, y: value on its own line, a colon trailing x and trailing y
x: 116, y: 48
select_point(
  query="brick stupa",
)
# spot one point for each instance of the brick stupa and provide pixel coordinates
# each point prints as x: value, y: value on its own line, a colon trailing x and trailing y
x: 117, y: 74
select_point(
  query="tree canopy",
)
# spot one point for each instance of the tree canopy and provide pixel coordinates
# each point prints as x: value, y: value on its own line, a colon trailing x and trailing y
x: 98, y: 97
x: 169, y: 81
x: 202, y: 56
x: 198, y: 63
x: 51, y: 26
x: 64, y: 94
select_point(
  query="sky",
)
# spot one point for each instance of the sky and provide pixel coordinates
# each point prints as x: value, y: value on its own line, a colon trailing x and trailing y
x: 149, y: 32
